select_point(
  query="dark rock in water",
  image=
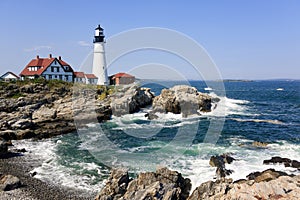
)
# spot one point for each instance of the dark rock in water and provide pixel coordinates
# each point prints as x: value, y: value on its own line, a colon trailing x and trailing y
x: 33, y: 174
x: 9, y: 182
x: 286, y: 161
x: 219, y: 162
x: 23, y: 150
x: 162, y: 184
x: 151, y: 116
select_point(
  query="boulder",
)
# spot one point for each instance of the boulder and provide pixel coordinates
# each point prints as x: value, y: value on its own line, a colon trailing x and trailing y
x: 131, y: 100
x: 161, y: 185
x: 9, y: 182
x: 181, y: 99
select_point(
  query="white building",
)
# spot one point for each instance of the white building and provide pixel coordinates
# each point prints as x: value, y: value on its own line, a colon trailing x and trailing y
x: 99, y: 61
x: 9, y: 76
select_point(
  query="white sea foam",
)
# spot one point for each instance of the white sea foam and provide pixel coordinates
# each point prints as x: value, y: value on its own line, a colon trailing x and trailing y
x: 248, y: 160
x: 52, y: 171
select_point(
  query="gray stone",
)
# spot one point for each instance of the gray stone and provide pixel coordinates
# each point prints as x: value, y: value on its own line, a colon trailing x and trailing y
x: 9, y: 182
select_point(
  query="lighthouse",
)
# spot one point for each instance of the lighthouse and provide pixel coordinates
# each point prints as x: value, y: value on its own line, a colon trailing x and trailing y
x: 99, y: 62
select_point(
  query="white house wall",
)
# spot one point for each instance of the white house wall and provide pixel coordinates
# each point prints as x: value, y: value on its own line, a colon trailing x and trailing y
x: 61, y: 75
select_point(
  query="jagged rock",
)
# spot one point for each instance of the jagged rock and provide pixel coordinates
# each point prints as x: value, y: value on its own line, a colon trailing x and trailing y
x: 267, y: 175
x: 131, y: 100
x: 286, y: 161
x: 163, y: 184
x: 182, y: 99
x: 115, y: 186
x: 9, y: 182
x: 269, y: 184
x: 211, y: 190
x: 219, y: 162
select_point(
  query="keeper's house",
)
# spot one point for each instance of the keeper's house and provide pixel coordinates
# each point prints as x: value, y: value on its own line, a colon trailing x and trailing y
x: 49, y: 68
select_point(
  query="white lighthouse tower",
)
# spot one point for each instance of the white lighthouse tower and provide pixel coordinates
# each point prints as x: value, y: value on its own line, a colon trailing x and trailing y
x: 99, y: 61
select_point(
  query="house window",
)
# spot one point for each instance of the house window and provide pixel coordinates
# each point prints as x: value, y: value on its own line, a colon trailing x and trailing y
x: 57, y: 69
x: 60, y: 77
x: 52, y: 69
x: 50, y: 77
x: 54, y: 62
x: 66, y: 77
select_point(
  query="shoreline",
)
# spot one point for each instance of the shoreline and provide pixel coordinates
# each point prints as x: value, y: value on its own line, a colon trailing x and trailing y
x: 20, y: 165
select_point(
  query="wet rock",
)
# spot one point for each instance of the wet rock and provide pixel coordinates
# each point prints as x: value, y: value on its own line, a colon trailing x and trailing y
x: 219, y: 162
x: 182, y: 99
x: 9, y: 182
x: 286, y: 161
x: 131, y: 101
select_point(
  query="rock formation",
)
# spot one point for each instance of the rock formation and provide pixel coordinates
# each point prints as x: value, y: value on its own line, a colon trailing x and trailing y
x: 182, y: 99
x: 286, y: 161
x: 219, y: 162
x: 130, y: 100
x: 269, y: 184
x: 163, y: 184
x: 44, y: 109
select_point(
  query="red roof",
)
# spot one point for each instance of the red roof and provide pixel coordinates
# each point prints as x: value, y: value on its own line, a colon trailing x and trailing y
x: 121, y: 74
x: 79, y: 74
x: 91, y: 76
x: 43, y: 63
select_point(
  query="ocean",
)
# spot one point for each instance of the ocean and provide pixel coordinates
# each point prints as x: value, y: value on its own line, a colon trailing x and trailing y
x: 265, y: 111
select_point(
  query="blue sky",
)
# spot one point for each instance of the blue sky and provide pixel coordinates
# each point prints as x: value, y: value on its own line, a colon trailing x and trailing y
x: 246, y: 39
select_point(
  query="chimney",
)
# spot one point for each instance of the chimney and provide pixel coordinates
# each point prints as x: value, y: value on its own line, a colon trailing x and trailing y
x: 50, y: 55
x: 59, y: 57
x: 37, y: 57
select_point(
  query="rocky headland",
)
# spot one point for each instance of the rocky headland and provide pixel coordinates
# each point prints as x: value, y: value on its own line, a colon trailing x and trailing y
x: 42, y: 109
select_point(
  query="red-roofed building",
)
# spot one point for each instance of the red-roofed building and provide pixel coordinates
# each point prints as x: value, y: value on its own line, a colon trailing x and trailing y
x: 121, y: 79
x: 81, y: 77
x: 50, y: 68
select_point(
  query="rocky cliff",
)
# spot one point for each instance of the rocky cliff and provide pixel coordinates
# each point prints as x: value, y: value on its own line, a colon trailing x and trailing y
x: 44, y: 109
x: 165, y: 184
